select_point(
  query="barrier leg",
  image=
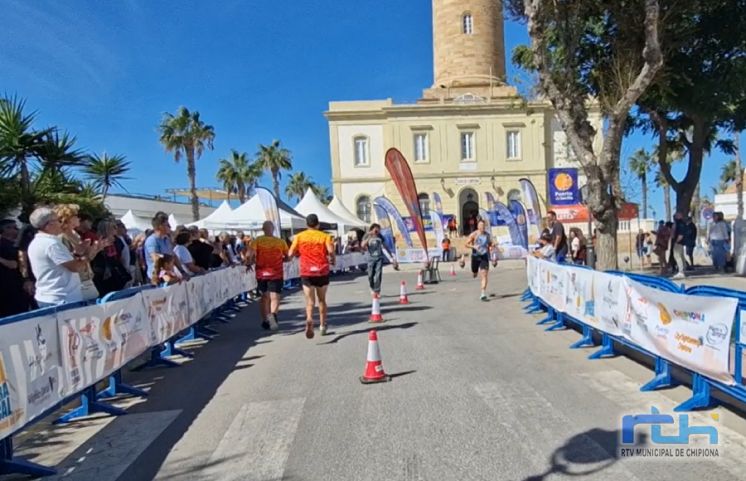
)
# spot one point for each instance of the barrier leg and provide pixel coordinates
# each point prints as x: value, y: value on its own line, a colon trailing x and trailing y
x: 607, y: 348
x: 560, y: 325
x: 191, y: 335
x: 13, y: 465
x: 701, y: 397
x: 116, y: 386
x: 170, y: 349
x: 157, y: 359
x: 550, y: 317
x: 662, y: 377
x: 204, y: 331
x: 534, y: 307
x: 89, y: 405
x: 585, y: 341
x: 526, y: 295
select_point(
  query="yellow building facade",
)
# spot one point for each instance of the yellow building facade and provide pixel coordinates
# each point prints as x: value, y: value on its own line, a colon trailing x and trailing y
x: 469, y: 134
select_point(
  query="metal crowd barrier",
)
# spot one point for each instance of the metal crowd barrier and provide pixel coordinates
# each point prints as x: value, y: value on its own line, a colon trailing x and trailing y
x: 701, y: 385
x: 91, y: 398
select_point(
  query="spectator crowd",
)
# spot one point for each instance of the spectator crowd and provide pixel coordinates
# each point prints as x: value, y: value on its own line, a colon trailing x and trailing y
x: 65, y: 256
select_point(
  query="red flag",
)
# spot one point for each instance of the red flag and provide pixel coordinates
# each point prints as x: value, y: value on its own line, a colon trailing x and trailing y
x: 401, y: 174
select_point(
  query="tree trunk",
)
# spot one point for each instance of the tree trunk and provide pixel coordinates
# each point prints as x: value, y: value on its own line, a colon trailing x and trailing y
x: 192, y: 173
x: 26, y: 203
x: 644, y: 180
x: 739, y: 174
x: 694, y: 209
x: 667, y: 201
x: 242, y: 193
x: 276, y: 183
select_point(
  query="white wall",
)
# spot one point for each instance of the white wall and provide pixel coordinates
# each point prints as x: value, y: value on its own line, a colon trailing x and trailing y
x: 346, y: 135
x: 119, y: 205
x: 727, y: 204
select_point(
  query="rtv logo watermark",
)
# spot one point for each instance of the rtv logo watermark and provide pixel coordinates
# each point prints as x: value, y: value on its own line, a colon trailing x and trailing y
x: 643, y: 436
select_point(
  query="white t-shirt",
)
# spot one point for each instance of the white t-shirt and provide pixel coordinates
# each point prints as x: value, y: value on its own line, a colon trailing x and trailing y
x: 719, y: 231
x: 183, y: 254
x: 55, y: 284
x: 547, y: 252
x: 575, y: 244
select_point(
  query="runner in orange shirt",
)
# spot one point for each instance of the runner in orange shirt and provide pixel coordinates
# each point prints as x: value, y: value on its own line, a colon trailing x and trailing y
x: 270, y: 254
x: 316, y: 252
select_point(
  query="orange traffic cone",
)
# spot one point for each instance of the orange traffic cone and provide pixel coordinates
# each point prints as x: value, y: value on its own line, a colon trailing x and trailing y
x: 420, y: 284
x: 403, y: 298
x: 453, y: 270
x: 373, y: 365
x: 375, y: 311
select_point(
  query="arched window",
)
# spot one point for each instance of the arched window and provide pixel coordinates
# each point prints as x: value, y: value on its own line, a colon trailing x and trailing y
x: 424, y: 203
x: 468, y: 24
x: 363, y: 208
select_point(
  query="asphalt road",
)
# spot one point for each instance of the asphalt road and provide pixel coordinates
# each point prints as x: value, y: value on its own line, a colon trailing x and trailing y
x: 479, y: 393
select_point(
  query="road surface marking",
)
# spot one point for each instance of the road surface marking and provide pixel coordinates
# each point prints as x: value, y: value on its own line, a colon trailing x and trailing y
x: 541, y: 427
x: 257, y: 444
x: 110, y: 452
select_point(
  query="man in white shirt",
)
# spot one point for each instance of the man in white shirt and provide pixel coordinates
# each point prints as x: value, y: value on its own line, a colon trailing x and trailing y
x: 53, y: 265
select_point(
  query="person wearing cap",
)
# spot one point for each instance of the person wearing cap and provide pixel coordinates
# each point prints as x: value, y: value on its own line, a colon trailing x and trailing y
x: 268, y: 254
x: 316, y: 252
x: 14, y: 290
x: 54, y: 266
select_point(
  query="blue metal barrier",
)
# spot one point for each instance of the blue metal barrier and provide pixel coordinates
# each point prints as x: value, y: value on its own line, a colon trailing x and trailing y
x: 701, y: 385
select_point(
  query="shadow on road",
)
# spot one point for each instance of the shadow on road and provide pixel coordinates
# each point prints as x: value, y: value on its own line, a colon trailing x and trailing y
x: 585, y: 454
x: 377, y: 327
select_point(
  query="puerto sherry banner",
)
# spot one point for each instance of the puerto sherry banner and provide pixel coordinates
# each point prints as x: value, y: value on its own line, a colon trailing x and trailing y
x: 563, y: 186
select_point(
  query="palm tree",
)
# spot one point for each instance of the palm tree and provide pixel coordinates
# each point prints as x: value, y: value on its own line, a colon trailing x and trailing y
x: 732, y: 172
x: 298, y: 184
x: 238, y: 174
x: 20, y: 144
x: 274, y: 159
x: 106, y: 171
x: 185, y: 134
x: 322, y: 192
x: 639, y: 164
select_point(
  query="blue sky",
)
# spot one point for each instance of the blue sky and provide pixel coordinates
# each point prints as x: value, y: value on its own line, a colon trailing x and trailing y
x: 256, y: 70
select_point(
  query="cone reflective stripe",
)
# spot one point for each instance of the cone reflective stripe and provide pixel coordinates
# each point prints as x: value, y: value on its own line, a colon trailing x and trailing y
x: 373, y: 364
x: 375, y: 311
x: 420, y: 284
x: 453, y: 270
x: 403, y: 298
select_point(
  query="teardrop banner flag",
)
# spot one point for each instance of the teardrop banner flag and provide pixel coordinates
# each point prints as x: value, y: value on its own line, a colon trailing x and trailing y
x: 438, y: 204
x: 510, y: 221
x: 437, y: 223
x: 393, y: 214
x: 531, y: 202
x: 401, y: 174
x: 269, y: 205
x: 387, y: 231
x: 490, y: 201
x: 519, y: 212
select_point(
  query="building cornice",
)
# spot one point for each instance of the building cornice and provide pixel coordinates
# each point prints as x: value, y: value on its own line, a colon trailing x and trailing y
x: 442, y: 175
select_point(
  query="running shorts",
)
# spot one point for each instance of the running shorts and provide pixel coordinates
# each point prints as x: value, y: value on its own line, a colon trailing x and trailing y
x: 315, y: 281
x: 271, y: 285
x: 480, y: 263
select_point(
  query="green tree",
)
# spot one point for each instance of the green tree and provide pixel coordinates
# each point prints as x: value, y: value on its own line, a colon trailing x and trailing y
x: 106, y: 171
x: 186, y: 135
x: 639, y: 164
x: 238, y: 174
x: 323, y: 193
x: 20, y: 145
x: 606, y: 50
x: 274, y: 159
x: 700, y: 91
x: 298, y: 184
x: 731, y: 172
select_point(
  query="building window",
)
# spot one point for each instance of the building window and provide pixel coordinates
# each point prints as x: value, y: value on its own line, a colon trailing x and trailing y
x: 468, y: 22
x: 513, y: 140
x: 421, y: 148
x: 424, y: 203
x: 467, y: 146
x: 361, y: 151
x: 363, y: 208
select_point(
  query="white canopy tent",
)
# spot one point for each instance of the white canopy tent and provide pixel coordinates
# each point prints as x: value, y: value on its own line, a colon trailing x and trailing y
x: 340, y: 210
x: 217, y: 216
x: 173, y: 221
x: 250, y: 216
x: 310, y: 204
x: 135, y: 223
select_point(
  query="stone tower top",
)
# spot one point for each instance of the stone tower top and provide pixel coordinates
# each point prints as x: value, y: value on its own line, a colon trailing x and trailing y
x: 468, y: 49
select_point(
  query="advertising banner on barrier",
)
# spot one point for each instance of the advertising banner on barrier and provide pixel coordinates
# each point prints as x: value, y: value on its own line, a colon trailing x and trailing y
x: 534, y: 276
x: 552, y: 285
x: 30, y: 371
x: 125, y: 330
x: 91, y: 347
x: 691, y: 331
x: 580, y: 296
x: 610, y: 303
x: 168, y: 311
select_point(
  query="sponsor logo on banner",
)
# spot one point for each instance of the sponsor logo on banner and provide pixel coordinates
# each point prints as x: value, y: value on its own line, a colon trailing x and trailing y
x: 563, y: 186
x: 8, y: 417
